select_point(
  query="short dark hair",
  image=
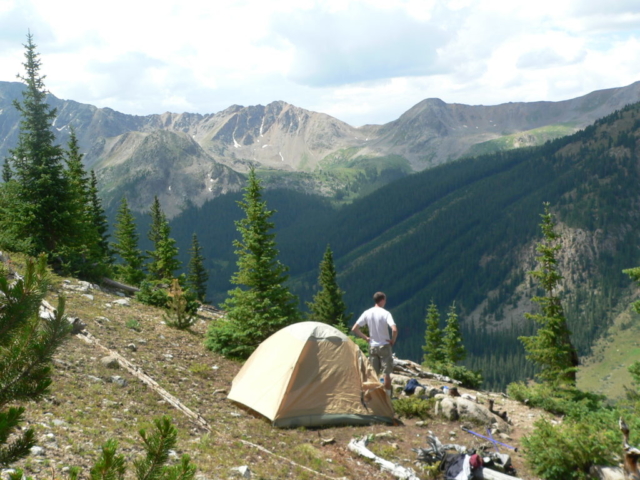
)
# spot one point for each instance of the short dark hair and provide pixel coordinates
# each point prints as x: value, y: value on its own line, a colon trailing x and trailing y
x: 378, y: 297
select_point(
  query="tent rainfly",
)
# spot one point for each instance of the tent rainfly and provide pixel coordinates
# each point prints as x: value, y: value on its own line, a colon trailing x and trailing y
x: 311, y: 374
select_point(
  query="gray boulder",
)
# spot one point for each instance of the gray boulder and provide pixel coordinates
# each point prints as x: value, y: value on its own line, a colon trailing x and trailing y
x: 458, y: 408
x: 110, y: 362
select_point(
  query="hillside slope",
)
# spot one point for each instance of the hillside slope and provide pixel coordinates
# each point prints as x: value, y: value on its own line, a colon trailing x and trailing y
x: 89, y: 403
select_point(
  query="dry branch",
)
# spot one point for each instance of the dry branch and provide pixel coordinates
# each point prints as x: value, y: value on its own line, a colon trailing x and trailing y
x: 398, y: 471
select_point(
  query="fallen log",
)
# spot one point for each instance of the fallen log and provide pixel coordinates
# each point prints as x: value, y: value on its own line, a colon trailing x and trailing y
x: 120, y: 286
x: 359, y: 446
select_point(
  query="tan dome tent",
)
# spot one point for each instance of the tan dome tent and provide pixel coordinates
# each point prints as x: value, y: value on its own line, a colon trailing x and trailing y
x: 311, y: 374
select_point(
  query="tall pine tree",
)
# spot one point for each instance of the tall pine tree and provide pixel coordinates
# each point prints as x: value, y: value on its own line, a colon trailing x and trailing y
x: 452, y: 347
x: 261, y: 304
x: 41, y: 217
x: 131, y: 269
x: 99, y: 220
x: 197, y: 275
x: 551, y: 348
x: 328, y: 305
x: 163, y: 258
x: 433, y: 353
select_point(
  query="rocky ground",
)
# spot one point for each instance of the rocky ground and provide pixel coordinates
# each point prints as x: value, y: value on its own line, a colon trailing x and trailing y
x: 90, y: 402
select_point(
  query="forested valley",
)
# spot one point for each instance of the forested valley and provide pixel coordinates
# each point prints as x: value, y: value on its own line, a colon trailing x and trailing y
x: 463, y: 232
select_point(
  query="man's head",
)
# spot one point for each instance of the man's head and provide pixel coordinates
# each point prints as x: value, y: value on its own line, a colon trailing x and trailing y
x: 379, y: 298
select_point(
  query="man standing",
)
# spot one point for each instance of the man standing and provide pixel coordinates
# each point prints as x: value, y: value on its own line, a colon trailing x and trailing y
x: 380, y: 345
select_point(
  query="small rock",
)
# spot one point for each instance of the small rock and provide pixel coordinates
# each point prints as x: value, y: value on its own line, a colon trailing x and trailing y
x: 58, y: 423
x: 132, y: 347
x: 120, y: 294
x: 234, y: 414
x: 108, y: 305
x: 89, y: 296
x: 421, y: 423
x: 142, y: 341
x: 504, y: 436
x: 168, y: 356
x: 219, y: 390
x: 173, y: 454
x: 49, y: 437
x: 102, y: 320
x: 121, y: 382
x: 77, y: 325
x: 110, y: 362
x: 37, y: 451
x: 215, y: 367
x: 95, y: 379
x: 242, y: 471
x: 109, y: 403
x: 123, y: 302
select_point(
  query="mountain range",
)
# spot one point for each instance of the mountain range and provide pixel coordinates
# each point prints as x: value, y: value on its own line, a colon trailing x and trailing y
x: 189, y: 158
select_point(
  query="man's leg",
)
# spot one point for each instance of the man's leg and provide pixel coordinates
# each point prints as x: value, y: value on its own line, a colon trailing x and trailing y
x: 386, y: 359
x: 374, y: 358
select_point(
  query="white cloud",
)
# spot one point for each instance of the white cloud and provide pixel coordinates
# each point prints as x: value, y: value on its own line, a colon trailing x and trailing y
x: 363, y: 61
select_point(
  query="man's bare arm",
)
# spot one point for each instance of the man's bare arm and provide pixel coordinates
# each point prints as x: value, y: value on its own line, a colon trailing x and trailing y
x: 394, y: 335
x: 358, y: 333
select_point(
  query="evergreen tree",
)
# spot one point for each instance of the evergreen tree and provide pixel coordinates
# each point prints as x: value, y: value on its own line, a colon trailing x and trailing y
x: 328, y: 305
x: 163, y: 261
x: 99, y: 221
x: 85, y: 256
x: 41, y: 213
x: 452, y: 347
x: 261, y: 304
x: 130, y: 271
x: 433, y: 353
x: 6, y: 171
x: 27, y: 344
x: 551, y: 348
x: 197, y: 275
x: 178, y: 314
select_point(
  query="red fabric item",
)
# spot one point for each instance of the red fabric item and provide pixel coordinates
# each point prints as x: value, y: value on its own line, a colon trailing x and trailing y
x: 475, y: 461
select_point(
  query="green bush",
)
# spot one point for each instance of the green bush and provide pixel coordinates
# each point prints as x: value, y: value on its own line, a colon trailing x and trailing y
x: 410, y: 407
x: 568, y: 450
x: 362, y: 344
x: 559, y: 401
x: 469, y: 378
x: 153, y: 293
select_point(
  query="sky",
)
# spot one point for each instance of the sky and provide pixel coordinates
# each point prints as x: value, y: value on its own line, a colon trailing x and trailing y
x: 361, y: 61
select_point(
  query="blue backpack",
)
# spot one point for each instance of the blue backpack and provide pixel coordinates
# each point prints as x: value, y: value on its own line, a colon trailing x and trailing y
x: 411, y: 386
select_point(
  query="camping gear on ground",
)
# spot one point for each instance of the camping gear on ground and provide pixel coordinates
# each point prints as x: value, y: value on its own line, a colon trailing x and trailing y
x: 311, y: 374
x: 490, y: 439
x: 410, y: 387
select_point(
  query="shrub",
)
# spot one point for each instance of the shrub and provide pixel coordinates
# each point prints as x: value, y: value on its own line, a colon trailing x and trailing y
x: 567, y: 451
x: 410, y: 407
x: 557, y: 400
x: 153, y: 293
x: 362, y: 344
x: 469, y: 378
x: 178, y: 315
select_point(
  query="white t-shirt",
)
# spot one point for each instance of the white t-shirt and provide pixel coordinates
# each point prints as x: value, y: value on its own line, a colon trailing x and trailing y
x: 378, y: 320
